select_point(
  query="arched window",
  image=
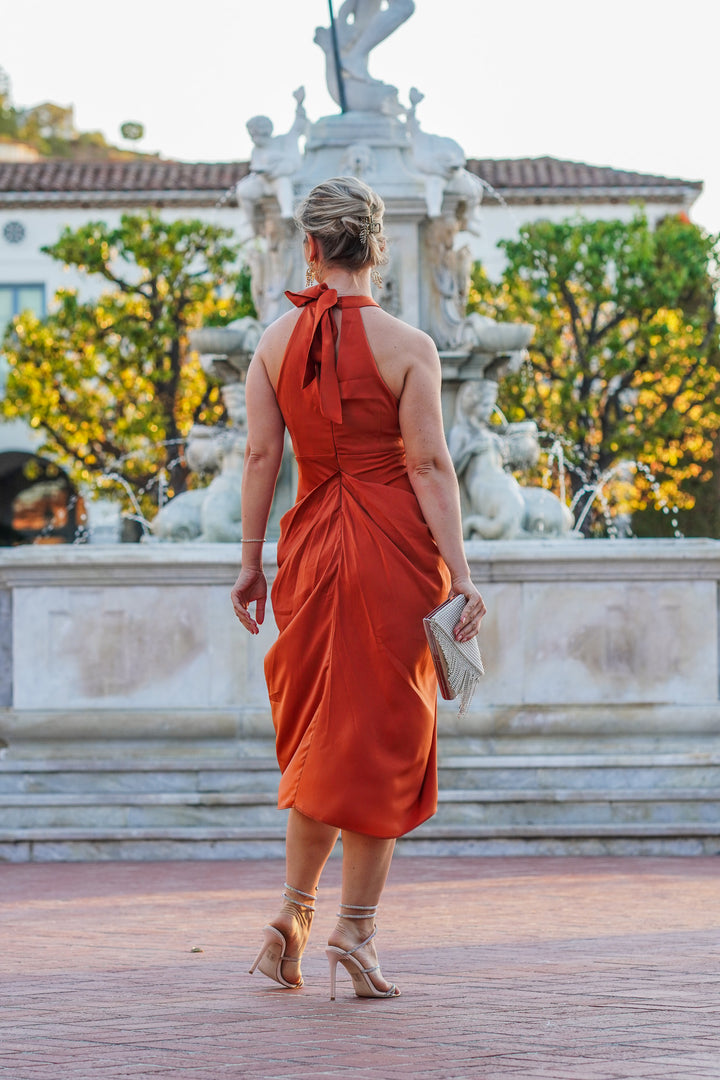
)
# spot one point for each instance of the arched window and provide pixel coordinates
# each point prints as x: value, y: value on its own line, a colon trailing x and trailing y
x: 38, y: 502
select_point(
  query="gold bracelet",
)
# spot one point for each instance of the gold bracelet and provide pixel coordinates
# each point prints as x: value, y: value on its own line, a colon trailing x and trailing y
x: 254, y: 541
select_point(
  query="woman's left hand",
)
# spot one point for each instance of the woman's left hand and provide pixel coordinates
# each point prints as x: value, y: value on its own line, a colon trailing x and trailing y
x: 250, y: 586
x: 473, y: 613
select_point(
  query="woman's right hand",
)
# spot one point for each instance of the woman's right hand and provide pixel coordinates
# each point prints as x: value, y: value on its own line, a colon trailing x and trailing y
x: 250, y: 585
x: 473, y: 612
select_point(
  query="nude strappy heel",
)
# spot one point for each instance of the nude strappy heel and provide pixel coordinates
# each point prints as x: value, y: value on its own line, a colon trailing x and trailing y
x: 362, y: 982
x: 272, y: 953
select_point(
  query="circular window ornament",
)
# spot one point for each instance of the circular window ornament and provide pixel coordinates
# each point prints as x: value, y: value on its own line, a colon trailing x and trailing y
x: 14, y: 232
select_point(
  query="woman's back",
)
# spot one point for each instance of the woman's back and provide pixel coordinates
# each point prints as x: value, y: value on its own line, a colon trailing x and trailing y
x: 393, y: 344
x: 341, y: 414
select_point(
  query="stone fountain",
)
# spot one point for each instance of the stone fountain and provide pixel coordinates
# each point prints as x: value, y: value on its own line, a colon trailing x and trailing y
x: 432, y: 204
x: 134, y: 704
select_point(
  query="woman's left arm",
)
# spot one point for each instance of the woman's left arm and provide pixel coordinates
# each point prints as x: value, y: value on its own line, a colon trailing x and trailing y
x: 263, y: 455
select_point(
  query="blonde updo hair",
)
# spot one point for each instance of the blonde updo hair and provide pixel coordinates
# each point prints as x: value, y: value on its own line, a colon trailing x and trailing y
x: 334, y: 212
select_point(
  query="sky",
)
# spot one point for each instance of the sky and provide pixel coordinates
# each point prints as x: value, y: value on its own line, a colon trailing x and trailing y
x: 627, y: 83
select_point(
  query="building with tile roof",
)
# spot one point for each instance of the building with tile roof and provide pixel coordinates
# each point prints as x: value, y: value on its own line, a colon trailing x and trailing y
x: 520, y: 181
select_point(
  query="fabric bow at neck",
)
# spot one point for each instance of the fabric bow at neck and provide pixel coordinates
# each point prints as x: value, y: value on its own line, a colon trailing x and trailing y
x: 318, y: 342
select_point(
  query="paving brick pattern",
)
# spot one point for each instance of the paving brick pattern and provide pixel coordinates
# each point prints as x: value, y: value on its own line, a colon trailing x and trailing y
x: 574, y: 969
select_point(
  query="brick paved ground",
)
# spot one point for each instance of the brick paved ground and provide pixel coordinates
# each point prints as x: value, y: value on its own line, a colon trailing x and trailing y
x: 575, y: 969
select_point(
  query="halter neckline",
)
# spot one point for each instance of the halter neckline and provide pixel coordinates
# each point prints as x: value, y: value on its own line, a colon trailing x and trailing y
x: 319, y: 341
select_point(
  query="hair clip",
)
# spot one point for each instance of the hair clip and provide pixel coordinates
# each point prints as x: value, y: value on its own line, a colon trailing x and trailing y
x: 368, y: 228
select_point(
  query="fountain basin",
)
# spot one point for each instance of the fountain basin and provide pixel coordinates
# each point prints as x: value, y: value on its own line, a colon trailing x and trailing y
x: 225, y: 340
x: 110, y: 644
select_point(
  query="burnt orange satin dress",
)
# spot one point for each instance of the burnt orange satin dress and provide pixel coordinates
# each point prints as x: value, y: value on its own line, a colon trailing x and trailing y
x: 350, y: 678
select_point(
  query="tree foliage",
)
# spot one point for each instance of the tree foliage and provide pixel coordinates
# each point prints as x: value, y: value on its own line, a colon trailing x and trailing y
x: 625, y: 363
x: 111, y: 382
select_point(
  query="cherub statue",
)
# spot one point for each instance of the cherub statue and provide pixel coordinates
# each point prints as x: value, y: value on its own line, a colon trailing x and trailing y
x: 274, y: 161
x: 212, y: 513
x: 495, y: 505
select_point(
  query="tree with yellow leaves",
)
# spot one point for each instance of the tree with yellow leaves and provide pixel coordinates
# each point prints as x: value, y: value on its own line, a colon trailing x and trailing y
x: 111, y: 382
x: 625, y: 363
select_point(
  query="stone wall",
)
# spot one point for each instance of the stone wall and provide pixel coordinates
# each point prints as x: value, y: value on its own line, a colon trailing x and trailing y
x: 125, y: 645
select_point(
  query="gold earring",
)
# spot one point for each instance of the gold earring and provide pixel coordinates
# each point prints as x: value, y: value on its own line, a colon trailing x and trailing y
x: 310, y: 274
x: 375, y: 278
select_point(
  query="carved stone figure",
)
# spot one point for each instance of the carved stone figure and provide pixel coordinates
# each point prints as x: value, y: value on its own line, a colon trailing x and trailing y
x: 545, y: 514
x: 212, y: 513
x: 445, y: 316
x: 495, y: 505
x: 358, y: 160
x: 274, y: 161
x: 492, y: 501
x: 220, y: 514
x: 360, y: 25
x: 467, y: 187
x: 438, y: 158
x: 272, y: 261
x: 371, y: 25
x: 388, y: 296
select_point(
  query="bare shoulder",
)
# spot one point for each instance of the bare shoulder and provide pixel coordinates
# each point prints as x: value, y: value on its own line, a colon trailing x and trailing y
x: 277, y: 334
x: 399, y: 349
x: 273, y: 343
x: 397, y: 334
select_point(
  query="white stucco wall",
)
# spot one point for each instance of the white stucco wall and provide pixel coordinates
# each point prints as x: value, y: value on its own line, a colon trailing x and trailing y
x: 25, y: 263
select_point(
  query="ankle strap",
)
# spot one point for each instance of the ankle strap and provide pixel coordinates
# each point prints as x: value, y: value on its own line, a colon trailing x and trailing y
x: 362, y: 945
x: 299, y: 903
x: 367, y: 912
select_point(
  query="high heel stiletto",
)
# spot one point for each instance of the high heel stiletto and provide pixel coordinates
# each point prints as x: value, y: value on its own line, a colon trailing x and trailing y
x: 362, y: 982
x: 273, y: 951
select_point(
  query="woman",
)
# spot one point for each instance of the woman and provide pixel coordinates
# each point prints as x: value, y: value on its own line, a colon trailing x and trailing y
x: 373, y: 542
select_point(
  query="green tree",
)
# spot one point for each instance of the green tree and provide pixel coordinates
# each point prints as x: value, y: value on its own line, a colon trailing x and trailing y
x: 625, y: 364
x: 111, y: 383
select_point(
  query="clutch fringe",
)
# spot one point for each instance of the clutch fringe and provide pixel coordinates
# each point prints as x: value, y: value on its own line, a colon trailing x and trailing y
x: 462, y: 674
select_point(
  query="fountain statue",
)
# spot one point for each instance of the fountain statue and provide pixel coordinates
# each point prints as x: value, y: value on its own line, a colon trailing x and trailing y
x: 359, y: 27
x: 495, y: 506
x: 273, y: 162
x: 213, y: 513
x: 432, y: 202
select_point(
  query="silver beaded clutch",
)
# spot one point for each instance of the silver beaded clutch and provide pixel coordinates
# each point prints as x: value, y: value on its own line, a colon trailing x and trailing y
x: 458, y: 664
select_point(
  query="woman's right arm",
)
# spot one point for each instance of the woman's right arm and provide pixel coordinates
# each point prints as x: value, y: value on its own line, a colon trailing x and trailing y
x: 432, y: 475
x: 263, y: 455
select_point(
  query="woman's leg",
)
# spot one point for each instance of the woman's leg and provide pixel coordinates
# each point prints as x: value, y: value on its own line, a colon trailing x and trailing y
x: 366, y: 862
x: 307, y: 848
x: 308, y: 844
